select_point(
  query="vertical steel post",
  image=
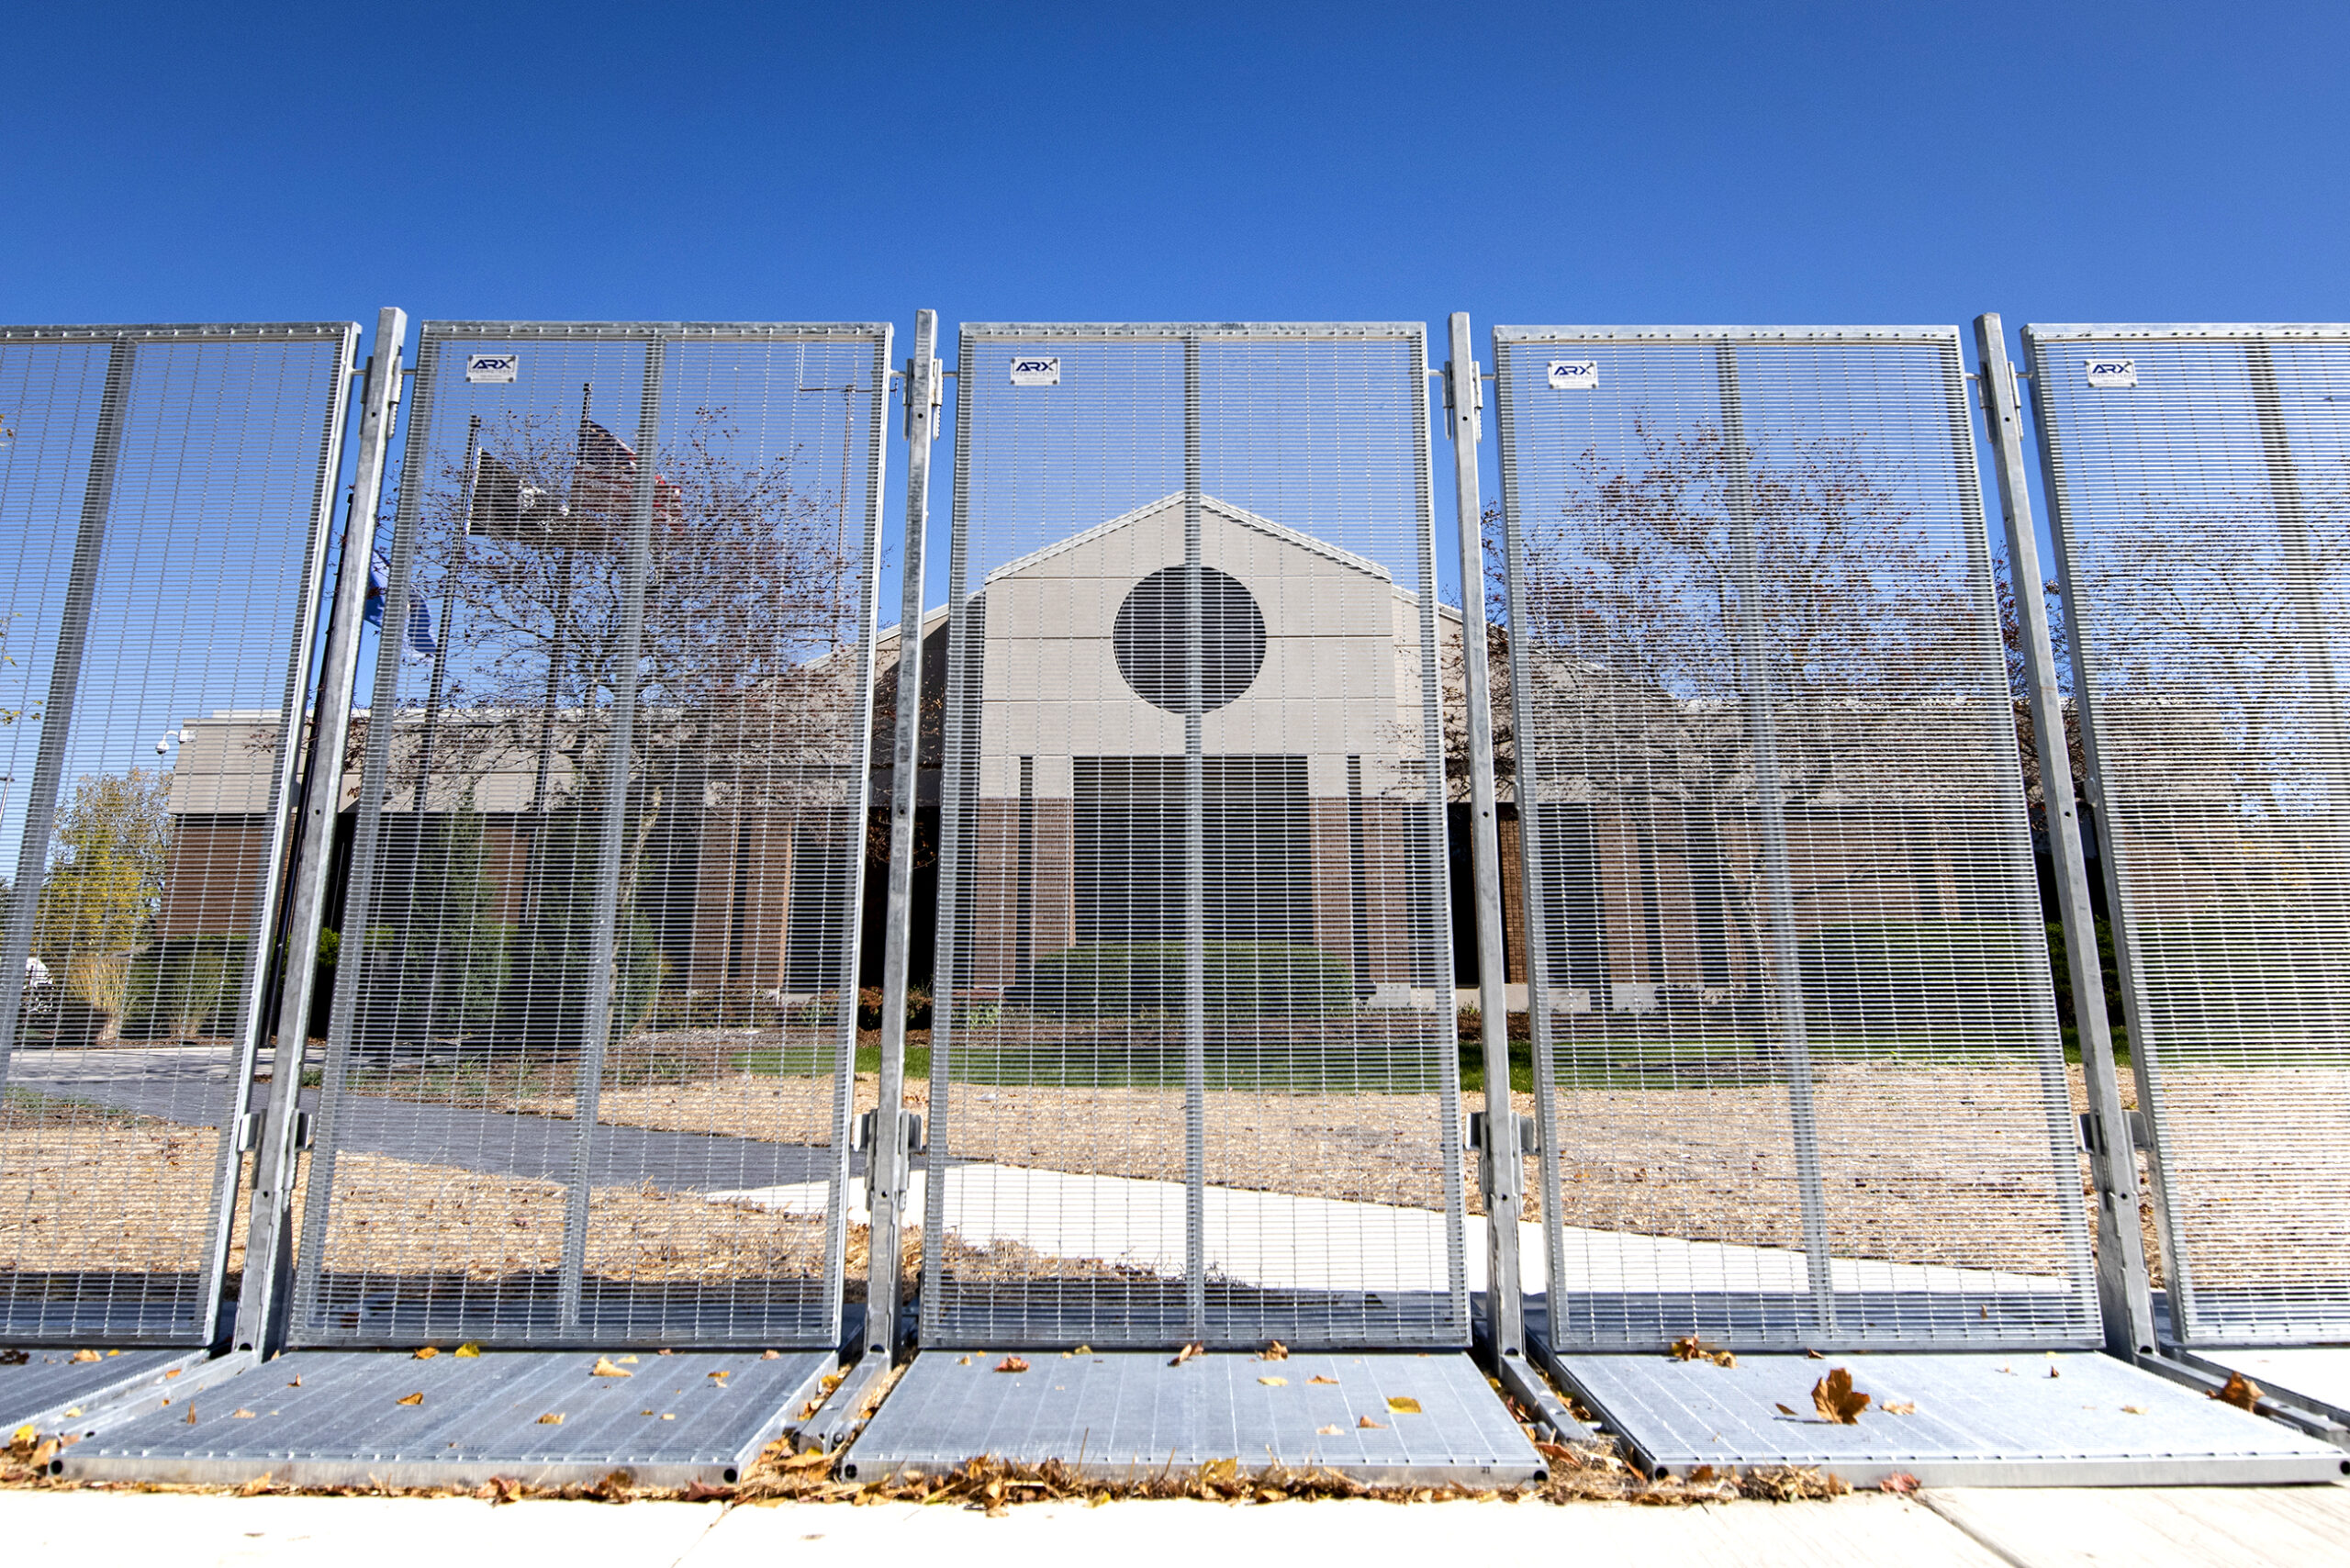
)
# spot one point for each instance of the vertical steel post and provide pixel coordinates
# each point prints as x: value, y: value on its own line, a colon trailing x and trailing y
x: 2293, y: 528
x: 609, y: 920
x: 64, y: 688
x: 1500, y: 1166
x: 1778, y: 878
x: 1195, y: 1067
x: 2124, y: 1301
x: 888, y: 1160
x: 269, y: 1245
x: 455, y: 567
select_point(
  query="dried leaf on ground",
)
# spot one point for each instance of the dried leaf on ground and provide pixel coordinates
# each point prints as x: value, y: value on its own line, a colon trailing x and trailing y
x: 416, y: 1398
x: 1012, y: 1364
x: 1403, y: 1405
x: 769, y: 1355
x: 427, y: 1353
x: 606, y: 1367
x: 1367, y: 1425
x: 700, y: 1490
x: 87, y: 1355
x: 1326, y: 1431
x: 1900, y: 1484
x: 1082, y: 1350
x: 1274, y: 1382
x: 173, y: 1374
x: 468, y: 1350
x: 1189, y: 1352
x: 1317, y: 1377
x: 2133, y: 1409
x: 241, y: 1415
x: 1787, y: 1409
x: 15, y: 1357
x: 1835, y: 1398
x: 1689, y: 1347
x: 1275, y: 1352
x: 814, y: 1458
x: 552, y: 1418
x: 1899, y: 1406
x: 2241, y: 1392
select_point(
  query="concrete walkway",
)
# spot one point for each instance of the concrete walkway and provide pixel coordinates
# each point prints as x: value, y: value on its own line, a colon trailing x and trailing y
x: 1280, y: 1241
x: 2219, y: 1528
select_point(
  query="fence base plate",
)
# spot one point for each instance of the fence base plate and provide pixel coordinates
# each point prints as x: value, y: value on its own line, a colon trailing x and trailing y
x: 335, y: 1419
x: 2005, y: 1418
x: 1122, y: 1415
x: 49, y: 1384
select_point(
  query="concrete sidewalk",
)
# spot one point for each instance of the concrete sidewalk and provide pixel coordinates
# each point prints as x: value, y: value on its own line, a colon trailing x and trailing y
x: 2274, y: 1528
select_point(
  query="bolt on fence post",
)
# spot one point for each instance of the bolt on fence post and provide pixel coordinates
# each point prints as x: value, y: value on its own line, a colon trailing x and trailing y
x: 1501, y: 1167
x: 1778, y: 877
x: 889, y: 1158
x: 2124, y: 1299
x: 269, y: 1246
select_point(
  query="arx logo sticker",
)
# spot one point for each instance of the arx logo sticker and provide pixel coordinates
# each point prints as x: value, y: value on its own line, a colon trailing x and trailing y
x: 493, y: 367
x: 1033, y: 370
x: 2113, y: 373
x: 1574, y: 376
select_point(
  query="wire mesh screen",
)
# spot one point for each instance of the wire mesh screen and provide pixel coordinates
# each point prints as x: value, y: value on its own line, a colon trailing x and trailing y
x: 1803, y: 1081
x: 1193, y: 1074
x: 165, y: 495
x: 2200, y: 479
x: 588, y: 1077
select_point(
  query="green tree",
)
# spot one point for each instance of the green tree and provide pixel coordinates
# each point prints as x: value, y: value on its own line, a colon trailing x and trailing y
x: 452, y: 952
x: 105, y: 883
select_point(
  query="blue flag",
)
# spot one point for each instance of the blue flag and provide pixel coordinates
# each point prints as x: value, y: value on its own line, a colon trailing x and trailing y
x: 417, y: 646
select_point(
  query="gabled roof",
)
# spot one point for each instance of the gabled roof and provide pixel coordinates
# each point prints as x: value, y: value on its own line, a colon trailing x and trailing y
x: 1249, y: 519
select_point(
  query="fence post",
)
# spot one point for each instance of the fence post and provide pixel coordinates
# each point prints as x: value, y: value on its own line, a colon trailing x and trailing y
x: 888, y: 1158
x: 1501, y: 1167
x: 269, y: 1242
x: 2124, y: 1300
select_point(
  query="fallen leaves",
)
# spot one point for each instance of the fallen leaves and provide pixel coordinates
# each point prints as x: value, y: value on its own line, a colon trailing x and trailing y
x: 552, y: 1418
x: 241, y: 1415
x: 87, y: 1355
x: 606, y: 1367
x: 1275, y: 1352
x: 1192, y: 1352
x: 1367, y: 1425
x: 769, y: 1355
x: 1326, y: 1431
x: 1787, y: 1409
x: 2133, y: 1409
x: 1317, y: 1377
x: 1082, y: 1350
x: 1900, y: 1484
x: 427, y: 1353
x: 1274, y: 1382
x: 1689, y: 1347
x: 1835, y: 1398
x: 15, y: 1357
x: 1403, y: 1405
x: 1898, y: 1406
x: 173, y: 1374
x: 2241, y: 1392
x: 416, y: 1398
x: 1012, y: 1364
x: 468, y: 1350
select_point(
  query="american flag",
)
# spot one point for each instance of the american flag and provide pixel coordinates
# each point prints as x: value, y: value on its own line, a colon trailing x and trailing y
x: 605, y: 480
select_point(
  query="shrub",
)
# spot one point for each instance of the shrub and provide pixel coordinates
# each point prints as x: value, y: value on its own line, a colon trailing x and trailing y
x: 1243, y: 980
x: 185, y: 987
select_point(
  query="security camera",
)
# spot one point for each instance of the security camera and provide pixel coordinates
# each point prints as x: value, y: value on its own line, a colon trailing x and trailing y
x: 161, y: 746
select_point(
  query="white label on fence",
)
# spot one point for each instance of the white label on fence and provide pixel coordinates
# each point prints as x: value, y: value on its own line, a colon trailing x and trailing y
x: 2113, y: 373
x: 1574, y: 376
x: 1032, y: 371
x: 492, y: 367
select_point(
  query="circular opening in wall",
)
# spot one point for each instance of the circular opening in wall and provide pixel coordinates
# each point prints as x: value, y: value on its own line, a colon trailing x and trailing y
x: 1149, y: 639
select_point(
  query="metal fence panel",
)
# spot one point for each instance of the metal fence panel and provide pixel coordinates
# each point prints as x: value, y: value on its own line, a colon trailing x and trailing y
x: 164, y: 498
x: 1193, y: 1073
x: 2200, y: 481
x: 589, y: 1070
x: 1802, y: 1077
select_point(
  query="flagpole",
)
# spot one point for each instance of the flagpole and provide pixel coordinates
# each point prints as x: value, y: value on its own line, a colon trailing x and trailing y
x: 448, y: 625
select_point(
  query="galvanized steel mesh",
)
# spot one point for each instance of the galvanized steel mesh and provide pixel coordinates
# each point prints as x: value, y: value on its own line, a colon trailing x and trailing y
x: 1802, y: 1081
x: 165, y: 495
x: 1193, y: 1074
x: 2200, y: 484
x: 595, y: 1013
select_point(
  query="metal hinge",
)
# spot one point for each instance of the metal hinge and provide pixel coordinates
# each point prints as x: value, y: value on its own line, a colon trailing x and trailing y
x: 2141, y: 1135
x: 1525, y: 1134
x: 248, y: 1131
x: 910, y: 1127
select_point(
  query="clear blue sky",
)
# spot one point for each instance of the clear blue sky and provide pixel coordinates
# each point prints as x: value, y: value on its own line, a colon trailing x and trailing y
x: 1616, y: 164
